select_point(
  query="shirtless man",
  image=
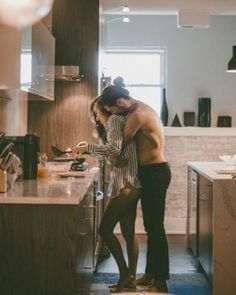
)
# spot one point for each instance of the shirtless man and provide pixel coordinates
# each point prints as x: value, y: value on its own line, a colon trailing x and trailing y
x: 144, y: 125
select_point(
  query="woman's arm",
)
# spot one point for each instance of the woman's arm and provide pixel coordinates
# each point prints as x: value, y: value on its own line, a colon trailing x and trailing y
x: 114, y: 138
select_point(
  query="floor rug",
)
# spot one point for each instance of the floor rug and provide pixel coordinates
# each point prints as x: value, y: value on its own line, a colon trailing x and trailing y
x: 178, y: 284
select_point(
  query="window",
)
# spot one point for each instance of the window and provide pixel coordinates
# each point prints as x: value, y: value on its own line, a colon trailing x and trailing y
x: 143, y: 73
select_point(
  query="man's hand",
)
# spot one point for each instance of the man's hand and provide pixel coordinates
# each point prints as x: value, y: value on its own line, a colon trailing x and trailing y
x: 118, y: 162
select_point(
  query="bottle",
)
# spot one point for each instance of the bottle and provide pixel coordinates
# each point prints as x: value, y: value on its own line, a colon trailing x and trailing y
x: 164, y: 109
x: 43, y: 171
x: 3, y: 181
x: 30, y: 162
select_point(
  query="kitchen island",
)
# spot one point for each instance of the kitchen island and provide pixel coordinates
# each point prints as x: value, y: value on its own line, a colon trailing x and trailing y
x: 47, y: 235
x: 214, y: 211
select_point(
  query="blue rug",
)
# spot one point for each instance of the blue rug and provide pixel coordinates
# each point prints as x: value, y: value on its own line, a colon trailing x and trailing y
x: 179, y: 284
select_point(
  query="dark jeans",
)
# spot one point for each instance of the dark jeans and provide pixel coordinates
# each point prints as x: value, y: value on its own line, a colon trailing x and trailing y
x: 155, y: 179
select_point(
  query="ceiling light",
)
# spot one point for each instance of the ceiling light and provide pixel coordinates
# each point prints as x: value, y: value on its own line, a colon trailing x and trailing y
x: 126, y: 19
x: 231, y: 68
x: 125, y: 8
x: 117, y: 10
x: 21, y: 13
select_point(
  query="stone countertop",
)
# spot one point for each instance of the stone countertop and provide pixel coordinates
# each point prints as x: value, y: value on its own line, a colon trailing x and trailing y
x: 54, y: 190
x: 209, y: 170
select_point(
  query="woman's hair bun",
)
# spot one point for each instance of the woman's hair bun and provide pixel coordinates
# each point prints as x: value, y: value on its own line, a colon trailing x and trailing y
x: 119, y: 81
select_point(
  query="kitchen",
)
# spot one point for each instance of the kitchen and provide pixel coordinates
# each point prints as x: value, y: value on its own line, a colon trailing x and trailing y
x: 75, y: 29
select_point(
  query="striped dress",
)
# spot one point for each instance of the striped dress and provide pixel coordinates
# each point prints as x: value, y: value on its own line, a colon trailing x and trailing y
x: 127, y: 175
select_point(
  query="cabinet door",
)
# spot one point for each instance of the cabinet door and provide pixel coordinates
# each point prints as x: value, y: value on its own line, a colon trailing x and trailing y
x: 9, y: 58
x: 99, y: 209
x: 84, y: 259
x: 37, y: 62
x: 192, y: 215
x: 205, y: 225
x: 47, y: 21
x: 43, y: 61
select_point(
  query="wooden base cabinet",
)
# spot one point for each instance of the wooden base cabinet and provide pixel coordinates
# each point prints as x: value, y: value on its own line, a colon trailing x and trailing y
x: 46, y: 249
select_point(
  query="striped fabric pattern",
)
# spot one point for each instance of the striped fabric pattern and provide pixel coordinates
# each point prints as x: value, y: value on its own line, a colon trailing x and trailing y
x: 120, y: 177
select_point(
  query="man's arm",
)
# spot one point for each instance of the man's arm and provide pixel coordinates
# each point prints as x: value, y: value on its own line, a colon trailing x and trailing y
x: 133, y: 124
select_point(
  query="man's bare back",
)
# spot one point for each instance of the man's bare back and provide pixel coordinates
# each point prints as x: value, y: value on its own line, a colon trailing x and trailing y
x: 144, y: 124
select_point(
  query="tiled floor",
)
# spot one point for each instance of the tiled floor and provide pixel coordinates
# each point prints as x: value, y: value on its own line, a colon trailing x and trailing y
x: 180, y: 262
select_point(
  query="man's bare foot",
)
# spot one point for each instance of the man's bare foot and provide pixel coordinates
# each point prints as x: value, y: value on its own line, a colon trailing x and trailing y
x: 123, y: 283
x: 145, y: 280
x: 130, y: 285
x: 158, y: 286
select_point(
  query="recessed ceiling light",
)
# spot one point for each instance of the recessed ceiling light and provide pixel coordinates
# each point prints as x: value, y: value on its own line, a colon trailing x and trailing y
x: 126, y: 19
x: 125, y: 8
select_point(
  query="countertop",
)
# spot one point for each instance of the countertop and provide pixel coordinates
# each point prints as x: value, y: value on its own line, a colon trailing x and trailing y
x: 209, y: 170
x: 53, y: 190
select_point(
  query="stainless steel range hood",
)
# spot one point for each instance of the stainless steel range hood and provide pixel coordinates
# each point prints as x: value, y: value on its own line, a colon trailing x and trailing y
x: 67, y: 73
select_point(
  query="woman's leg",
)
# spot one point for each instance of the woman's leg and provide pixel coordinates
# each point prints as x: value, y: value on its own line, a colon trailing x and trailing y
x: 114, y: 212
x: 127, y: 224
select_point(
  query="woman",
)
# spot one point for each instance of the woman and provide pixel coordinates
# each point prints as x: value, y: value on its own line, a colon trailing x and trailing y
x: 123, y: 193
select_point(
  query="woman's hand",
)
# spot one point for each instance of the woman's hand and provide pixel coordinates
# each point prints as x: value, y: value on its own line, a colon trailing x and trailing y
x: 81, y: 147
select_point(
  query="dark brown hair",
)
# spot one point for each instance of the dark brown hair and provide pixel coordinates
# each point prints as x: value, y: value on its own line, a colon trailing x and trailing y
x: 99, y: 126
x: 112, y: 93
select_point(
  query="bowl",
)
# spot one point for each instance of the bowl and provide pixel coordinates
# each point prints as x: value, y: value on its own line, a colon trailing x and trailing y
x: 229, y: 159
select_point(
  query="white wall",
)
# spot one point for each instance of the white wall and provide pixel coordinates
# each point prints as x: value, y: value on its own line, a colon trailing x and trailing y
x: 196, y: 59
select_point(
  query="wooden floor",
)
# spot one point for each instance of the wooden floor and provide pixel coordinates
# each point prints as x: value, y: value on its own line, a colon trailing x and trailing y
x: 181, y: 261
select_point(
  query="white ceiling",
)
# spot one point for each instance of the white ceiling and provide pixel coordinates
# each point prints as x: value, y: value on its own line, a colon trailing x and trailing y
x: 214, y: 7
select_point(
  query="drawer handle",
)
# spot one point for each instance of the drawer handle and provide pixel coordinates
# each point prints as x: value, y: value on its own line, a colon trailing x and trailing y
x: 99, y: 195
x: 204, y: 197
x: 82, y: 234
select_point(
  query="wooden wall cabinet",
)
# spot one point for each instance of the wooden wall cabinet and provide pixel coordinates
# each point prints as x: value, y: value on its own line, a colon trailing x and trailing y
x: 75, y: 25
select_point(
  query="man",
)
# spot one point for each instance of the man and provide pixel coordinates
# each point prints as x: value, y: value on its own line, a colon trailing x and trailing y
x: 144, y: 125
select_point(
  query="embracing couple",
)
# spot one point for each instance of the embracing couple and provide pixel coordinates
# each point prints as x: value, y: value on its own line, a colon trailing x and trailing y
x: 131, y: 130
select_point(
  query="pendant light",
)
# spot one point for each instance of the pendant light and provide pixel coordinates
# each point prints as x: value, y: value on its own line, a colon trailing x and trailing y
x: 21, y: 13
x: 231, y: 68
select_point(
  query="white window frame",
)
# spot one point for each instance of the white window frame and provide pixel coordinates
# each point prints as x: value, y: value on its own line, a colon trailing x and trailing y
x: 160, y: 50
